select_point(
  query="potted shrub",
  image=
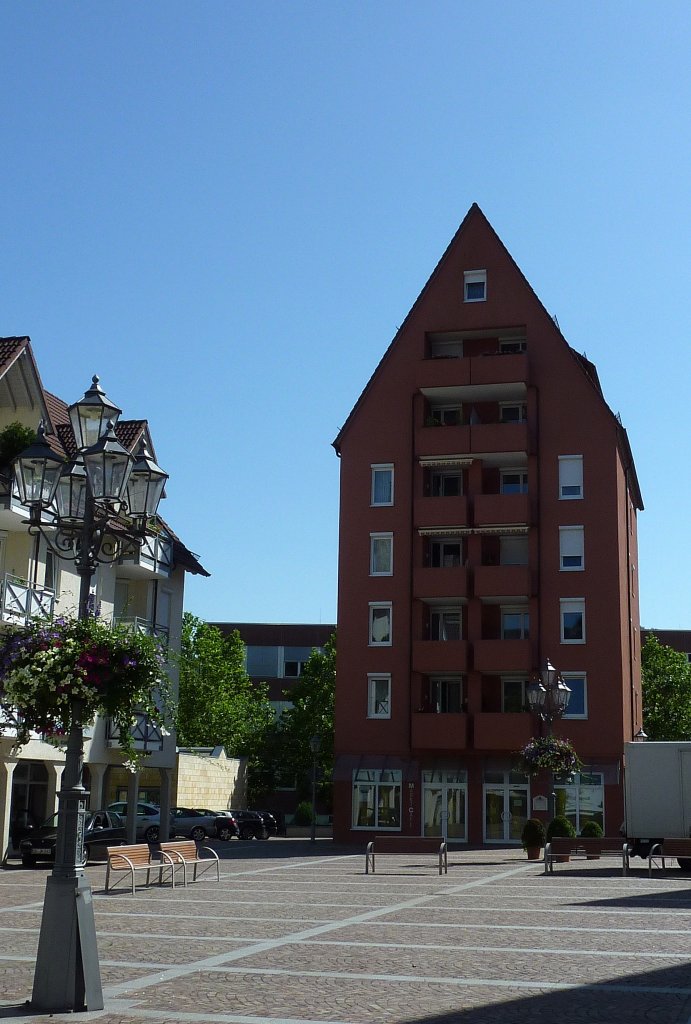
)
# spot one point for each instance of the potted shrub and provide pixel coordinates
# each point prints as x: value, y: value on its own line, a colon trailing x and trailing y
x: 561, y: 827
x: 533, y: 838
x: 592, y: 830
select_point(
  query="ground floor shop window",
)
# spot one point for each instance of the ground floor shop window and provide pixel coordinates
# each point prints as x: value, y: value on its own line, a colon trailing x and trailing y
x: 376, y: 798
x: 445, y: 804
x: 582, y: 799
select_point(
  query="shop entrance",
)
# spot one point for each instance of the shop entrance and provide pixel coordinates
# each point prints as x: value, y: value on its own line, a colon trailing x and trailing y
x: 445, y: 805
x: 506, y: 797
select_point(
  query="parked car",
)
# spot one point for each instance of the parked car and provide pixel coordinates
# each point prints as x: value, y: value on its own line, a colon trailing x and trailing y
x: 250, y: 825
x: 197, y: 824
x: 270, y: 822
x: 148, y: 819
x: 226, y: 826
x: 103, y: 828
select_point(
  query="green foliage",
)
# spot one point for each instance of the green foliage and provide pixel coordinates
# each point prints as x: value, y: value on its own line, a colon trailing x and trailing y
x: 592, y: 830
x: 14, y: 438
x: 666, y: 677
x: 561, y: 827
x: 533, y: 833
x: 303, y: 813
x: 218, y: 704
x: 312, y: 714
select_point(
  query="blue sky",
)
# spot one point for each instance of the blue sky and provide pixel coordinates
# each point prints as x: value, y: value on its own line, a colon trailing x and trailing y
x: 226, y: 209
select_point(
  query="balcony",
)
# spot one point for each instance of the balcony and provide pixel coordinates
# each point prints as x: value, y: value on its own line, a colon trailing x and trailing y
x: 501, y: 509
x: 438, y: 372
x: 429, y: 583
x: 498, y: 437
x: 502, y: 581
x: 147, y: 736
x: 502, y: 731
x: 442, y: 440
x: 502, y: 368
x: 140, y: 625
x: 430, y: 731
x: 436, y: 657
x: 20, y: 602
x: 451, y: 511
x: 155, y: 556
x: 495, y: 656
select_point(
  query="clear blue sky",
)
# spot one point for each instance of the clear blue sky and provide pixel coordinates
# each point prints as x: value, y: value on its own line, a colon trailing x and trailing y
x: 226, y: 209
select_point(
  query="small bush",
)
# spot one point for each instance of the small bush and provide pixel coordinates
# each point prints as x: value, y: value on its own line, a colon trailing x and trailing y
x: 303, y: 813
x: 591, y: 830
x: 533, y: 833
x: 561, y: 827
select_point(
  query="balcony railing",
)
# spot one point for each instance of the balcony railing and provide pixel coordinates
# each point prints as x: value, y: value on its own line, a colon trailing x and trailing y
x: 138, y: 624
x: 20, y: 601
x: 145, y: 734
x: 155, y: 553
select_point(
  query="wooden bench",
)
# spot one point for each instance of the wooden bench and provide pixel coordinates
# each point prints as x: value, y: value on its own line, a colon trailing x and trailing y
x: 561, y: 846
x: 130, y: 859
x: 186, y: 853
x: 668, y: 849
x: 403, y: 845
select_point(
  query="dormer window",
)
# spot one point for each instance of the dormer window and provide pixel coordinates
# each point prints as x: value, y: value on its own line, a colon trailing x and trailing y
x: 474, y: 285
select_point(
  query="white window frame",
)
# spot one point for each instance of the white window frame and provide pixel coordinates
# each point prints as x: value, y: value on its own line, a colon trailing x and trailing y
x: 521, y: 610
x: 571, y: 605
x: 512, y: 346
x: 568, y: 677
x: 446, y: 540
x: 571, y: 545
x: 381, y: 467
x: 575, y: 788
x: 445, y: 474
x: 522, y: 408
x: 446, y: 415
x: 570, y: 477
x: 471, y: 277
x: 378, y: 707
x: 374, y: 540
x: 442, y: 613
x: 522, y: 473
x: 378, y: 606
x: 373, y: 779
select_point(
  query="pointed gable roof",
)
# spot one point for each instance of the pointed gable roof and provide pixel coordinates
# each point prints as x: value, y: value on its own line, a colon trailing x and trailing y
x: 476, y: 224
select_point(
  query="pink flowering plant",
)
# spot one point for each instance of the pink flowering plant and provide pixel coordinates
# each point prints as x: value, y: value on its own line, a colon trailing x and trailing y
x: 110, y: 670
x: 549, y: 753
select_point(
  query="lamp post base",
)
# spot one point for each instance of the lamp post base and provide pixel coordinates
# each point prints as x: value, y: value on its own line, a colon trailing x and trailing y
x: 67, y: 976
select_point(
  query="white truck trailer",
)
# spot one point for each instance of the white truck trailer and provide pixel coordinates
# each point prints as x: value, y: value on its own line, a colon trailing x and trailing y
x: 657, y: 794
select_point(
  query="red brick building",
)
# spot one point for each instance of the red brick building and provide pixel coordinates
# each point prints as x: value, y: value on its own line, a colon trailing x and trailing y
x: 487, y: 523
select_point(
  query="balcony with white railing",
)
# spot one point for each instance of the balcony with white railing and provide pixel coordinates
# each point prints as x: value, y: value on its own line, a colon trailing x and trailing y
x: 154, y: 555
x: 145, y: 734
x: 138, y: 624
x: 21, y: 601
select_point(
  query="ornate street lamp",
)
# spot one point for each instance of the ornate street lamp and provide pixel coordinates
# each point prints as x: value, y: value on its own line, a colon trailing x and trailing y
x: 88, y: 511
x: 548, y: 696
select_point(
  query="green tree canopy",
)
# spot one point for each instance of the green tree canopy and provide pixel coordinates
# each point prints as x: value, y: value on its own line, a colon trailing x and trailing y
x: 218, y: 704
x: 666, y: 677
x: 312, y: 714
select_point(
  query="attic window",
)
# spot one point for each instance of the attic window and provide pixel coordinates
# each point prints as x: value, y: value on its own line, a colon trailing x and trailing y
x: 474, y: 285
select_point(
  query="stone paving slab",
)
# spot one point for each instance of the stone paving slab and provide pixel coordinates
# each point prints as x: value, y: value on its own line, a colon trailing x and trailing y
x: 296, y: 933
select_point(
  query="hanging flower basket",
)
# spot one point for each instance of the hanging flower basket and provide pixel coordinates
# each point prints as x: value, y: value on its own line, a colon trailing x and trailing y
x: 549, y: 753
x: 110, y: 670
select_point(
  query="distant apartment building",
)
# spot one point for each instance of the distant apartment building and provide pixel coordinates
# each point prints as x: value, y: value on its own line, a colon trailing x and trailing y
x: 487, y: 523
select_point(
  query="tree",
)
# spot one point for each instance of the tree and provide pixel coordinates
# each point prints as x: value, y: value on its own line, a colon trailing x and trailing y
x: 312, y: 714
x: 218, y: 704
x: 666, y: 677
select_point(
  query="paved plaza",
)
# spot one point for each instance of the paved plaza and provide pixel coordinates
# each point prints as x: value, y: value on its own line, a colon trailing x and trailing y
x: 297, y: 932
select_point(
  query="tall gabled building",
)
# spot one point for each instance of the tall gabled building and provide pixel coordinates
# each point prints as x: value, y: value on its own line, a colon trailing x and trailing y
x: 487, y: 523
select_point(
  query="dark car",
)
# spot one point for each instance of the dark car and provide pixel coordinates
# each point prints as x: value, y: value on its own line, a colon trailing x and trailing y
x: 103, y: 828
x: 271, y: 822
x: 250, y: 825
x: 226, y: 826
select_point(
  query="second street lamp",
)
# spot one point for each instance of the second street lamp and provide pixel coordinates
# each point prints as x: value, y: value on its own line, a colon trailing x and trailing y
x: 548, y: 696
x: 86, y: 511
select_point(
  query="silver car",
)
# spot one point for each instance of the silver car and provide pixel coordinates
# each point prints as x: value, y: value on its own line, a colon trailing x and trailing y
x: 148, y: 819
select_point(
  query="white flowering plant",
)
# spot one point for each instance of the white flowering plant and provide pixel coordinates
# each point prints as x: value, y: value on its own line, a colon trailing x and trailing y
x: 109, y: 670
